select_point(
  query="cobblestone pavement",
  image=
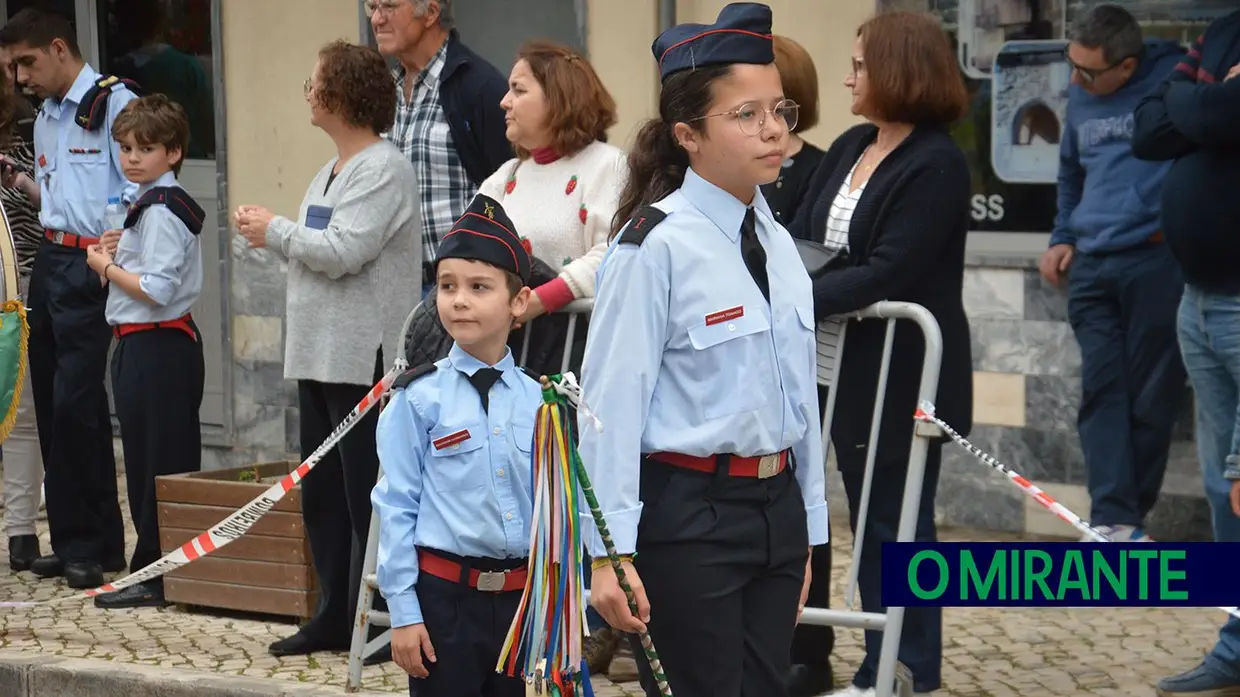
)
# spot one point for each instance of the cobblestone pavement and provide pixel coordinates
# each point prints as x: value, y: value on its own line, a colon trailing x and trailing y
x: 998, y: 653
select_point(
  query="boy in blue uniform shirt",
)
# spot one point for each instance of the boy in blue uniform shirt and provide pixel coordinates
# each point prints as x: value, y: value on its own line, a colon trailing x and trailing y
x: 153, y: 278
x: 454, y: 444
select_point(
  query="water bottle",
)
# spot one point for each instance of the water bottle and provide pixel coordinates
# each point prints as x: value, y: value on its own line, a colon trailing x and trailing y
x: 114, y: 215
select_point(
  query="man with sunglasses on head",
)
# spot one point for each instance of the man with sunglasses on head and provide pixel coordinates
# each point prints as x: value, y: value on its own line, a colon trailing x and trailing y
x: 1123, y: 285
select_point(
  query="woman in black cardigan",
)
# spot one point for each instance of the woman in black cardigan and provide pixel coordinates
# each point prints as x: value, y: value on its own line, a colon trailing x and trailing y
x: 894, y: 193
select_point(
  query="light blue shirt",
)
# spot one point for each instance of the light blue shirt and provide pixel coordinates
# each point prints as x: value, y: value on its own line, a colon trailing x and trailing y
x: 686, y: 356
x: 77, y: 170
x: 167, y: 258
x: 456, y: 478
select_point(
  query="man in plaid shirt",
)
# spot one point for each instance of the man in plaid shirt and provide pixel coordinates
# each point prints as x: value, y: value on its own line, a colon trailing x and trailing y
x: 448, y: 119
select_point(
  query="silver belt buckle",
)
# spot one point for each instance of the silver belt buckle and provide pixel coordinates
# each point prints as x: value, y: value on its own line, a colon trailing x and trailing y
x: 768, y: 466
x: 492, y: 581
x: 58, y: 237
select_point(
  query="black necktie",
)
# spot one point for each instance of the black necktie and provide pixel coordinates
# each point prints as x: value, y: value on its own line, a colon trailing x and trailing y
x: 482, y: 381
x: 754, y: 254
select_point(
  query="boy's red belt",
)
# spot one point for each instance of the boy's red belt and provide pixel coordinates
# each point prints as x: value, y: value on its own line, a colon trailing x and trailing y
x: 760, y: 467
x: 68, y: 239
x: 488, y: 581
x: 182, y: 323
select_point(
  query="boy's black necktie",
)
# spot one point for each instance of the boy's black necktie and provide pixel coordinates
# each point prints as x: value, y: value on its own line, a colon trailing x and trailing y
x: 482, y: 380
x: 754, y: 254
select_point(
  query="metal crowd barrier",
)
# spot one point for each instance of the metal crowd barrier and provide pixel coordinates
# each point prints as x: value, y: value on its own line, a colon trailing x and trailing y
x: 366, y: 616
x: 892, y: 675
x: 890, y: 671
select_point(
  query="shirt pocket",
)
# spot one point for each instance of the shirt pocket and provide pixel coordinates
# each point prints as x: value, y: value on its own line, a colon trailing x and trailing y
x: 735, y: 360
x: 458, y: 460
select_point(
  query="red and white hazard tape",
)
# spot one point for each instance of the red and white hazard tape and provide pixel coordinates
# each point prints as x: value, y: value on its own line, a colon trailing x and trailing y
x: 240, y: 522
x: 926, y: 413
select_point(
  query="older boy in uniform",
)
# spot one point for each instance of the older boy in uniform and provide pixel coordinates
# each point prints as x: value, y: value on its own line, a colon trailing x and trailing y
x: 77, y: 170
x: 153, y: 279
x: 454, y: 444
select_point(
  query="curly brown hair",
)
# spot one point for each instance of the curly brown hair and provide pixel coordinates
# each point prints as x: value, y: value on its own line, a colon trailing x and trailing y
x: 356, y: 84
x: 579, y: 107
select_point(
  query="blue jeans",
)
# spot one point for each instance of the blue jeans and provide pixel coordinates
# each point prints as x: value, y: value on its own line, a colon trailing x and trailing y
x: 1122, y: 307
x: 1210, y: 341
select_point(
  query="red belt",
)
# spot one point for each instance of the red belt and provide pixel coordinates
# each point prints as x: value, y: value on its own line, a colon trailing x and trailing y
x: 68, y: 239
x: 761, y: 467
x: 182, y: 323
x: 487, y: 581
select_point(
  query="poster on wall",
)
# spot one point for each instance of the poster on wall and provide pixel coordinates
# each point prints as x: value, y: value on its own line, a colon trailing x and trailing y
x: 1011, y: 53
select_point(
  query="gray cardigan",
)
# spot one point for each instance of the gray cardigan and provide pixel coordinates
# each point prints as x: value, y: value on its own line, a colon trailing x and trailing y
x: 354, y: 276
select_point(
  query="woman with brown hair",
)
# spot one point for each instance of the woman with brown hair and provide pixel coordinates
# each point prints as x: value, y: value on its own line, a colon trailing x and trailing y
x: 23, y: 461
x: 800, y: 80
x: 354, y: 257
x: 892, y: 198
x: 563, y: 187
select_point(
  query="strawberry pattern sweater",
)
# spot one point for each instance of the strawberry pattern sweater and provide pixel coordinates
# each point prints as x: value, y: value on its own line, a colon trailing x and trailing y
x: 563, y: 207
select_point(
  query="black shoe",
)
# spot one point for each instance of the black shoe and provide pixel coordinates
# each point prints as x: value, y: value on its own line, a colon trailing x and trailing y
x: 806, y: 681
x: 383, y: 655
x: 47, y: 566
x: 83, y: 574
x: 23, y: 550
x: 301, y: 644
x: 139, y: 595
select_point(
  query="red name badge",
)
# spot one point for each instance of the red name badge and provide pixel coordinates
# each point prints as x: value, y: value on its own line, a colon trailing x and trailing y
x: 42, y: 160
x: 725, y: 315
x: 451, y: 440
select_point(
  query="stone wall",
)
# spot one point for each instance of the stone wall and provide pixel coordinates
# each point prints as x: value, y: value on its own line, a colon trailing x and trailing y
x: 264, y: 403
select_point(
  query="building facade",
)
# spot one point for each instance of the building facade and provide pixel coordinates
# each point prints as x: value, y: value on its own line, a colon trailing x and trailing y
x: 262, y: 149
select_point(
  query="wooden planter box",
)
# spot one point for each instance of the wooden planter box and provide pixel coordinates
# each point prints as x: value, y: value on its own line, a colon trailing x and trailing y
x: 268, y: 570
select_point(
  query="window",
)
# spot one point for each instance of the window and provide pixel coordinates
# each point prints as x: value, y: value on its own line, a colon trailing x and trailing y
x: 164, y: 46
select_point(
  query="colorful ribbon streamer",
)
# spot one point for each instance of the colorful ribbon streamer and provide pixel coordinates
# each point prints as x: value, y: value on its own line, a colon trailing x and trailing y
x: 544, y: 643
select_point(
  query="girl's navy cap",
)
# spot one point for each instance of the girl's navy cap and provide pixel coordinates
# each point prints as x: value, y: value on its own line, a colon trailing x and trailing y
x: 741, y: 34
x: 485, y: 233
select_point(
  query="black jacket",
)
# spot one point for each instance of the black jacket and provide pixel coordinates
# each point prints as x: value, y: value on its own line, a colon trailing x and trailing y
x: 906, y: 243
x: 1193, y: 118
x: 470, y: 90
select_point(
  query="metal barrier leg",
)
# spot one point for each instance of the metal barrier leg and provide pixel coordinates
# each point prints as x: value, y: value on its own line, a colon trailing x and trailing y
x: 360, y: 649
x: 893, y: 678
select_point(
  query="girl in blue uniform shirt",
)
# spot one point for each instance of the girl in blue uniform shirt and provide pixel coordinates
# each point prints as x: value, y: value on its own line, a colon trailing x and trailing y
x: 707, y: 458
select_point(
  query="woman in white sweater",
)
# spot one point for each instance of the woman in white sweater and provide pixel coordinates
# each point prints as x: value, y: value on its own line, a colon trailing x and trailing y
x: 563, y: 187
x: 354, y: 273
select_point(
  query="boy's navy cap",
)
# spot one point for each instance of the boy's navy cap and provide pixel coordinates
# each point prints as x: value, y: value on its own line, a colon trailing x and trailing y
x: 741, y: 34
x: 485, y: 233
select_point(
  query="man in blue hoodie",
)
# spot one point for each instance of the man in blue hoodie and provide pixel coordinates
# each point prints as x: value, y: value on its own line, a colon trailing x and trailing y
x: 1124, y: 285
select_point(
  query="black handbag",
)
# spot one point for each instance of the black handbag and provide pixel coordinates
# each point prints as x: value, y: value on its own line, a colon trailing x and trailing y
x: 819, y: 259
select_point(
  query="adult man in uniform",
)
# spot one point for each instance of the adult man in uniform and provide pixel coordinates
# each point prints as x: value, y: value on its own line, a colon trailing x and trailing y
x: 77, y: 170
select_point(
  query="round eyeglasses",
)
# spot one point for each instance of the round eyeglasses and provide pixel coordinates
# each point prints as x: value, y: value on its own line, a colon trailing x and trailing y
x: 751, y: 116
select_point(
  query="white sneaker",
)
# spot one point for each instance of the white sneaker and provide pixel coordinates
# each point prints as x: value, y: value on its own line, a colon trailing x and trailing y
x: 851, y: 691
x: 1120, y: 533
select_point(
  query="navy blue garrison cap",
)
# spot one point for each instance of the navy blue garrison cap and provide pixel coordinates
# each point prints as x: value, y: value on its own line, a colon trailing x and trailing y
x: 485, y: 233
x: 741, y: 34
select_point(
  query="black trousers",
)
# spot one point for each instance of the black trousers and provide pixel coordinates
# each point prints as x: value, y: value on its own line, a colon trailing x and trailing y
x: 723, y: 561
x: 157, y: 379
x: 336, y: 500
x: 811, y: 644
x: 467, y: 627
x: 68, y: 350
x: 921, y: 641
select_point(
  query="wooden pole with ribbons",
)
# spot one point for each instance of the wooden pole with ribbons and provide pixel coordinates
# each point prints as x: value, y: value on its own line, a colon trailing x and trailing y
x: 544, y: 643
x: 14, y: 331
